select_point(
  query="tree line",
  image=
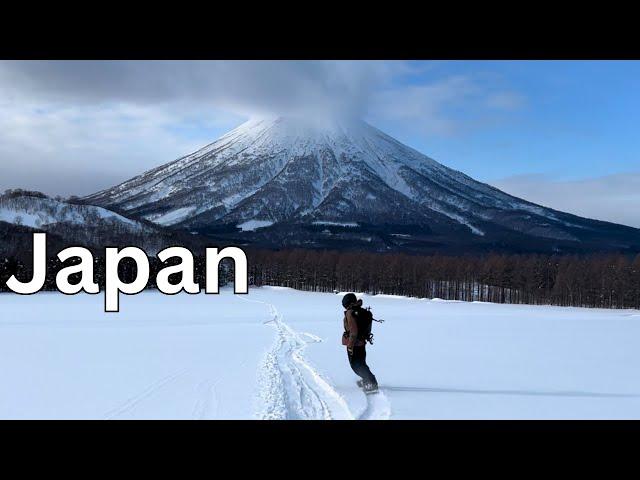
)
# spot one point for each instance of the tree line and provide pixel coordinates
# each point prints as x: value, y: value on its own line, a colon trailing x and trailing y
x: 603, y: 281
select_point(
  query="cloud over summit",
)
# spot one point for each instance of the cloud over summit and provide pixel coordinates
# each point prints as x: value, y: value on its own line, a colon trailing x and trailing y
x: 243, y: 87
x: 76, y: 127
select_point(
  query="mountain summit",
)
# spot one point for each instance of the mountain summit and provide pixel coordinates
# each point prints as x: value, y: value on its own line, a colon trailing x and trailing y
x: 343, y: 183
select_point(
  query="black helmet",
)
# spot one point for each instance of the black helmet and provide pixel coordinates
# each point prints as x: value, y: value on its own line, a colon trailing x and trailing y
x: 348, y: 299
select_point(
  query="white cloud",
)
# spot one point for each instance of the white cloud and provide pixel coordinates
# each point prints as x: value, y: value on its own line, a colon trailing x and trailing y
x: 243, y: 87
x: 80, y: 149
x: 422, y: 105
x: 73, y: 127
x: 443, y: 107
x: 613, y: 198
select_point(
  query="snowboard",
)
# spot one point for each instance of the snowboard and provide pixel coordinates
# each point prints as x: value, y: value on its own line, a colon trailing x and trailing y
x: 367, y: 392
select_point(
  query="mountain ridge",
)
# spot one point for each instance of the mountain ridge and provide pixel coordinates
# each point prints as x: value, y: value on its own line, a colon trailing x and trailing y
x: 69, y: 223
x: 284, y: 173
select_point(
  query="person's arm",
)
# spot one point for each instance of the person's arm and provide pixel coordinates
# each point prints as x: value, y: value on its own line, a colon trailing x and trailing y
x: 353, y: 330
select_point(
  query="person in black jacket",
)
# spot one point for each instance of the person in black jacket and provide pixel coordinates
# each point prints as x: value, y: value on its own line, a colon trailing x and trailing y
x: 356, y: 344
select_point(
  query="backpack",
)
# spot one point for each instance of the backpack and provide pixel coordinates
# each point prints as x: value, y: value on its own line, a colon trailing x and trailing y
x: 364, y: 320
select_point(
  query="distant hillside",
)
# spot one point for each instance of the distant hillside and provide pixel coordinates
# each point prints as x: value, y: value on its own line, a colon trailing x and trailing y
x: 24, y: 212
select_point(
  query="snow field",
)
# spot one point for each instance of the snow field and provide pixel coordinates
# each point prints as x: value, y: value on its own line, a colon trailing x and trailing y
x: 276, y: 354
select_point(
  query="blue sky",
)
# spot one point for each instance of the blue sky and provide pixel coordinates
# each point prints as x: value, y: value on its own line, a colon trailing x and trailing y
x: 576, y: 119
x: 559, y: 133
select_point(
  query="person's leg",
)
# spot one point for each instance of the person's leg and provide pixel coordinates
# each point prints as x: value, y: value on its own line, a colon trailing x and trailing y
x: 369, y: 377
x: 358, y: 361
x: 354, y: 362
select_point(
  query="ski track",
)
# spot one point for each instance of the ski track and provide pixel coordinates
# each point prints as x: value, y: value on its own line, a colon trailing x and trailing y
x: 151, y: 390
x: 206, y: 404
x: 291, y: 388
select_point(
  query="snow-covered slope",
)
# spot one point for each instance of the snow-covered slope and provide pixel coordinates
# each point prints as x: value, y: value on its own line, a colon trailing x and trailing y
x: 43, y: 212
x: 69, y: 224
x: 276, y: 354
x: 279, y: 172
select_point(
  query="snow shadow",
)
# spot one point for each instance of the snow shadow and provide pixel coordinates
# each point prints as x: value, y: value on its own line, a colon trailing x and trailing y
x: 533, y: 393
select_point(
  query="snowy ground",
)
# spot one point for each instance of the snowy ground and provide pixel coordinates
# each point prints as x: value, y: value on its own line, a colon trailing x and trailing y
x: 276, y: 353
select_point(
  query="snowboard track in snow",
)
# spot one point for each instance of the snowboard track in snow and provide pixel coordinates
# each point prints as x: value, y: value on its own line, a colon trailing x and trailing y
x: 291, y: 387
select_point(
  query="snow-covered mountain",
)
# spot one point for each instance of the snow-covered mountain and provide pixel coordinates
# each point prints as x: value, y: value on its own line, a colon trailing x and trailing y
x: 285, y: 181
x: 41, y: 212
x: 23, y: 212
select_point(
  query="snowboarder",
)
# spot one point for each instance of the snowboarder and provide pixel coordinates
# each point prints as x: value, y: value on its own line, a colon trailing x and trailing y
x: 357, y: 331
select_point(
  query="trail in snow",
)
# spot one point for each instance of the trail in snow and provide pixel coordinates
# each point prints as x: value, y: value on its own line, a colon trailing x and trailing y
x: 158, y: 362
x: 148, y: 392
x: 206, y: 404
x: 291, y: 388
